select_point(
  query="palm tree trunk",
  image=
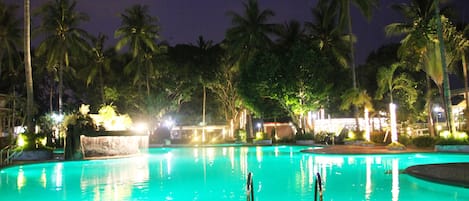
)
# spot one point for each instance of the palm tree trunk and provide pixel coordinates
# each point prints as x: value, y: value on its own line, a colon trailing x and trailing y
x: 466, y: 92
x: 61, y: 86
x: 101, y: 85
x: 446, y: 88
x: 27, y: 67
x: 352, y: 63
x: 431, y: 128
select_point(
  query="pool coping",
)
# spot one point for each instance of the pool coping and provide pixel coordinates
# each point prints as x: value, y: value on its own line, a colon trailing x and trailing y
x: 454, y: 174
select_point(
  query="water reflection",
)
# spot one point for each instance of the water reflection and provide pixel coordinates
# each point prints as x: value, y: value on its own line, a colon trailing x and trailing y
x: 116, y: 181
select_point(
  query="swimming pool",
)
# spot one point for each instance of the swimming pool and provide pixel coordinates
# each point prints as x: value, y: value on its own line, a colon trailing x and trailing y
x: 280, y: 173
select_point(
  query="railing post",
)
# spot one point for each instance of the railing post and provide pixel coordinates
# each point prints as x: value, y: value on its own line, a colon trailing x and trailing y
x: 318, y: 187
x: 249, y: 188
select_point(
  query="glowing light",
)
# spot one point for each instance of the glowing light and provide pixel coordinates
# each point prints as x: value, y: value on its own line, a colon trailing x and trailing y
x: 367, y: 126
x: 57, y: 117
x: 44, y: 178
x: 21, y: 141
x: 169, y: 156
x: 169, y: 123
x: 368, y: 185
x: 140, y: 127
x: 21, y: 180
x: 395, y: 180
x: 392, y: 111
x: 43, y: 141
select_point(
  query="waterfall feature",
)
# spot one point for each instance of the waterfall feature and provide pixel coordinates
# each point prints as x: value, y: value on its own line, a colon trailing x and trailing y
x: 113, y: 144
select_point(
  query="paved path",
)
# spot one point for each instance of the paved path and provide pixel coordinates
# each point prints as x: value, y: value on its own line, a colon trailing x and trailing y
x: 356, y: 149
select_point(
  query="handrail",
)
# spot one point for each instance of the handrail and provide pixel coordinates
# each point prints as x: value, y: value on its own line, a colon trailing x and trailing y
x: 10, y: 154
x: 318, y: 187
x: 249, y: 188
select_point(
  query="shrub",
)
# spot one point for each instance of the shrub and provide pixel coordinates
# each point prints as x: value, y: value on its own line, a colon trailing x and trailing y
x: 423, y: 141
x: 378, y: 137
x: 451, y: 141
x: 305, y: 136
x: 404, y: 139
x: 240, y: 135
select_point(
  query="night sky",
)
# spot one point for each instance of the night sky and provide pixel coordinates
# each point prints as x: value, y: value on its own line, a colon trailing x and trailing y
x: 182, y: 21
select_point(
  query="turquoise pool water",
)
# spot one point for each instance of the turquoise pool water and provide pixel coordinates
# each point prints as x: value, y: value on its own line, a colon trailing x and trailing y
x: 280, y: 173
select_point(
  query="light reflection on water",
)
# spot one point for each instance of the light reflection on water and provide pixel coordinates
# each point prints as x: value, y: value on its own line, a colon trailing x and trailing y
x: 219, y: 173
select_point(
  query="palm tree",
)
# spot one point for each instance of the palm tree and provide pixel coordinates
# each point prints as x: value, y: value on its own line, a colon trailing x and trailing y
x: 418, y: 15
x: 357, y: 98
x: 366, y: 7
x: 27, y: 67
x: 100, y: 64
x: 289, y: 33
x: 139, y: 30
x: 250, y: 31
x: 326, y: 32
x: 389, y: 82
x: 421, y: 45
x: 64, y: 40
x: 10, y: 37
x: 458, y: 45
x: 345, y: 20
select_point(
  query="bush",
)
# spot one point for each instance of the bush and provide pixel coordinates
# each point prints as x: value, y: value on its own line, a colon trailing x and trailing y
x: 378, y: 137
x: 305, y: 136
x: 424, y: 141
x: 404, y: 139
x: 451, y: 141
x: 240, y: 135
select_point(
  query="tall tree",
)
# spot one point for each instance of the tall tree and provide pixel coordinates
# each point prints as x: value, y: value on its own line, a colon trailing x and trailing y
x: 27, y: 67
x: 10, y: 37
x: 139, y: 30
x: 64, y: 41
x: 326, y: 32
x: 421, y: 45
x: 366, y: 7
x: 391, y: 81
x: 99, y: 65
x: 250, y: 31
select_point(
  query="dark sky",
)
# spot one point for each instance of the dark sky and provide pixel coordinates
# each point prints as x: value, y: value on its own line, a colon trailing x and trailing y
x: 182, y: 21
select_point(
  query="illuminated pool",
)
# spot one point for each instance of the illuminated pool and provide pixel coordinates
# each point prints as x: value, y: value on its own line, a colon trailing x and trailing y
x: 280, y: 173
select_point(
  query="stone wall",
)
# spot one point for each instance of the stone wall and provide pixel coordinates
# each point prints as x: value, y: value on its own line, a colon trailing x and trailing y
x: 112, y: 146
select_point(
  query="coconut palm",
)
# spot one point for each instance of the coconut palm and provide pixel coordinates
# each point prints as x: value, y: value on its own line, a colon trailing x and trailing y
x: 10, y: 37
x: 139, y: 31
x: 417, y: 15
x: 64, y: 41
x: 356, y: 97
x: 250, y: 31
x: 422, y: 47
x: 326, y: 32
x: 389, y: 82
x: 100, y: 64
x: 366, y: 7
x: 458, y: 44
x: 289, y: 33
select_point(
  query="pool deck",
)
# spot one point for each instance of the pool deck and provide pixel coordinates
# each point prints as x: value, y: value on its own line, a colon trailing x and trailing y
x: 357, y: 149
x: 456, y: 174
